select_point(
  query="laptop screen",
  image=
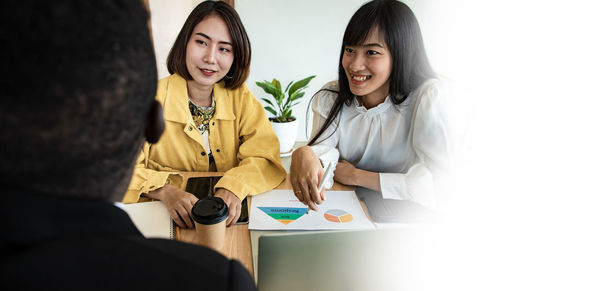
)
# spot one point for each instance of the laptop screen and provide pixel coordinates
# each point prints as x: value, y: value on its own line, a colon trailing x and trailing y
x: 393, y: 259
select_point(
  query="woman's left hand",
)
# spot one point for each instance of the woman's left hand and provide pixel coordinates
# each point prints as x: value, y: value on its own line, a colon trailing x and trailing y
x: 345, y: 173
x: 233, y: 202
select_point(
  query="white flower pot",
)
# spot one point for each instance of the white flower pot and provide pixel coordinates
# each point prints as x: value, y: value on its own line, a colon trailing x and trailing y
x: 286, y: 133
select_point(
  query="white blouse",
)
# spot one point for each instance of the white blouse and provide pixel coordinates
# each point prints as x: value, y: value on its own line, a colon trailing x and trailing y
x: 406, y: 144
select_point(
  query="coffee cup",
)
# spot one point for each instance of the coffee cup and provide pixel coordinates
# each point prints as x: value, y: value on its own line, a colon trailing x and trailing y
x: 210, y: 215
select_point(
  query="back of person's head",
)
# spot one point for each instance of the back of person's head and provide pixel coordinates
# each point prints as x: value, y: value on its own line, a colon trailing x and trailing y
x: 398, y: 25
x: 79, y: 81
x: 242, y: 52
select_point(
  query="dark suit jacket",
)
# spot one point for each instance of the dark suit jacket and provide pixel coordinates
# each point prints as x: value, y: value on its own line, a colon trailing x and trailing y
x: 66, y: 243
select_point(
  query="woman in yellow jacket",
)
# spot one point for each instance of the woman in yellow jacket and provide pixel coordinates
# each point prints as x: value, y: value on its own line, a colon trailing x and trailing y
x: 213, y: 122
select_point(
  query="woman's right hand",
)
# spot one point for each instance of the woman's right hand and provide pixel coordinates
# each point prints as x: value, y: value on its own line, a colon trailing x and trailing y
x: 305, y: 174
x: 178, y: 202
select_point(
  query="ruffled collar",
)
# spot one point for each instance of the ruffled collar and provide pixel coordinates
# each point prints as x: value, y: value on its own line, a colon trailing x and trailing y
x: 383, y: 106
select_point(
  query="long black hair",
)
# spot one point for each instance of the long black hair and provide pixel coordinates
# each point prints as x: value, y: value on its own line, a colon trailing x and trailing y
x: 402, y: 34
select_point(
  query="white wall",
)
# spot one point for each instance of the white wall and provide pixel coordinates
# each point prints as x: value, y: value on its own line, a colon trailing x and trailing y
x: 294, y: 39
x: 167, y: 18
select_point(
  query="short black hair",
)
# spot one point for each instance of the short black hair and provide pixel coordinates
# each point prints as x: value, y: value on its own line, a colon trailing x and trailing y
x: 79, y: 77
x: 242, y: 51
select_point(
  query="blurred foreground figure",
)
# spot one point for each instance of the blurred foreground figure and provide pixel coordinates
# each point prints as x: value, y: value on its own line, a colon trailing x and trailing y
x: 76, y: 106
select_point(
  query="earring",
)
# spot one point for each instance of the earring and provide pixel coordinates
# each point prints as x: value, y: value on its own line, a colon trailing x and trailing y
x: 227, y: 75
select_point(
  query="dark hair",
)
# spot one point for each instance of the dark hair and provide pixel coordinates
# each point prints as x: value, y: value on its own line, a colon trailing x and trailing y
x: 400, y: 29
x: 79, y: 80
x: 240, y: 69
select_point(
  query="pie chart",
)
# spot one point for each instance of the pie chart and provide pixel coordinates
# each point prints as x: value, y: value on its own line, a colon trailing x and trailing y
x: 338, y: 216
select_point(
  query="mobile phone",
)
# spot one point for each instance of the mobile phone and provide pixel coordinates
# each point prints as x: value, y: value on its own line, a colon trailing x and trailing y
x: 202, y: 187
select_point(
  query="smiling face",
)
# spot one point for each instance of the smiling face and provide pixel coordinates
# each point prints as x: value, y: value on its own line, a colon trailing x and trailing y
x: 368, y: 67
x: 209, y: 52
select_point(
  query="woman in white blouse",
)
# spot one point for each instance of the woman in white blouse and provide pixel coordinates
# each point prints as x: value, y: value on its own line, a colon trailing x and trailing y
x: 382, y: 124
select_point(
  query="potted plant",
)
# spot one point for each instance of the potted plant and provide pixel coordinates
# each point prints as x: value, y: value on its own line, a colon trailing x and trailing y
x: 283, y: 122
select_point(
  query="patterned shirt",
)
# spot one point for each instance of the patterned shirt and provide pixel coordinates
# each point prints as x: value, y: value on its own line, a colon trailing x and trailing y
x: 202, y: 115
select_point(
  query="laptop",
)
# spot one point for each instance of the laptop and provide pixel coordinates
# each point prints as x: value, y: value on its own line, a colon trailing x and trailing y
x: 390, y: 259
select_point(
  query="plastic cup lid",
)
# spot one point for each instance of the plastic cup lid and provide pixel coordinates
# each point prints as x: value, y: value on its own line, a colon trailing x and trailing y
x: 210, y: 210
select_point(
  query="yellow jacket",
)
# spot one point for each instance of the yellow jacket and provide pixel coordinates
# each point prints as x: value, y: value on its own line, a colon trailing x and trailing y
x: 242, y: 141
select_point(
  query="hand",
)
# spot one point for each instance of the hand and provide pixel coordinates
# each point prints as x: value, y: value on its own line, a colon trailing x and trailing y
x: 305, y: 174
x: 178, y: 202
x: 345, y: 173
x: 233, y: 203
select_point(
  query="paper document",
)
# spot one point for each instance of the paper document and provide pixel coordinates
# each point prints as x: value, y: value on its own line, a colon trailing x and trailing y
x: 281, y: 210
x: 152, y: 219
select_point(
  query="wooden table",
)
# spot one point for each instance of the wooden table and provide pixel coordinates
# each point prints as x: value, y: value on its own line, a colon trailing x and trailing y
x: 237, y: 238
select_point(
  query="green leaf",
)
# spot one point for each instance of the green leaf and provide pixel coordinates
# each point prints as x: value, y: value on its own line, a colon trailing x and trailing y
x: 271, y: 110
x: 268, y: 101
x: 286, y: 113
x: 276, y: 83
x: 288, y: 86
x: 279, y: 98
x: 302, y: 83
x: 297, y: 95
x: 287, y: 103
x: 269, y: 88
